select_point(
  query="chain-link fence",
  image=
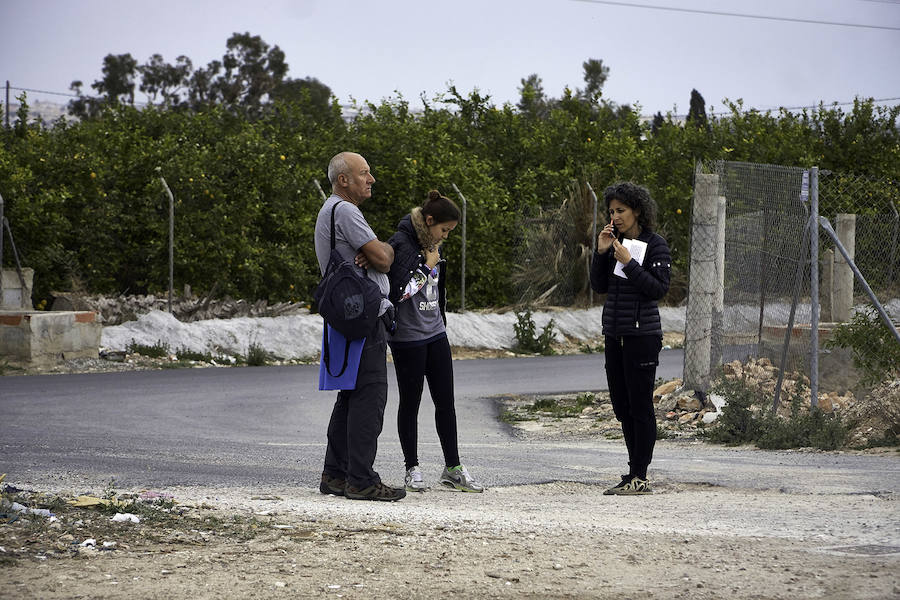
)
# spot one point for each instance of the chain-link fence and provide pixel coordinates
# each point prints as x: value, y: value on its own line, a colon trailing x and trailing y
x: 751, y: 286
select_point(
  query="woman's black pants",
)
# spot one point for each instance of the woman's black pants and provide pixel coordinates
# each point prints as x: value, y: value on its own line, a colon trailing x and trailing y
x: 631, y: 363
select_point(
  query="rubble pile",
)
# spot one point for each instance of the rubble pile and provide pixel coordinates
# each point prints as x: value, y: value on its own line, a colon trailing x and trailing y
x: 872, y: 417
x: 115, y: 310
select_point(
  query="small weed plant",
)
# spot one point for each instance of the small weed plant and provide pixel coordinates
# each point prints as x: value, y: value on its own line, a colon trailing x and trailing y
x: 528, y: 341
x: 185, y: 354
x: 257, y: 355
x: 562, y: 407
x: 158, y: 350
x: 587, y: 348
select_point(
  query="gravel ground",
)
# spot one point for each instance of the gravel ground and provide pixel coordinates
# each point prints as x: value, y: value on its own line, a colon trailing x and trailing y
x: 556, y: 540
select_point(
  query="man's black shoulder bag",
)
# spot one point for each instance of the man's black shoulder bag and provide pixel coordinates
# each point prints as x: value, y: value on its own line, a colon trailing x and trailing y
x: 348, y: 300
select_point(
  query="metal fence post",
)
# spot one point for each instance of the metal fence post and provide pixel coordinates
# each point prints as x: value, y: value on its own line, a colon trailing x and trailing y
x: 462, y: 287
x: 593, y: 242
x: 717, y: 344
x: 814, y: 286
x: 171, y: 240
x: 1, y: 248
x: 319, y: 187
x: 885, y: 317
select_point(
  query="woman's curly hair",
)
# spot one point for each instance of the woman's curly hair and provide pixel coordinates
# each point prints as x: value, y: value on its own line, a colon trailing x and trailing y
x: 637, y: 198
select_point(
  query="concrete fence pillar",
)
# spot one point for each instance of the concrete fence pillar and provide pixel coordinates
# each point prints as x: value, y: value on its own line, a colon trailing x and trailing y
x: 717, y: 343
x: 845, y: 228
x: 826, y: 299
x: 12, y: 295
x: 702, y: 287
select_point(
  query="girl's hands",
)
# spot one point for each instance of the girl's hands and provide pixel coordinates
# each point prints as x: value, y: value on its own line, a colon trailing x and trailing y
x: 432, y: 256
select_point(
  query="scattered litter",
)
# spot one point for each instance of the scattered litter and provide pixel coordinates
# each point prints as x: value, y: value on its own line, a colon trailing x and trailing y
x: 41, y: 512
x: 283, y: 526
x: 110, y: 544
x: 153, y: 495
x: 88, y: 542
x: 112, y: 355
x: 85, y: 501
x: 125, y: 517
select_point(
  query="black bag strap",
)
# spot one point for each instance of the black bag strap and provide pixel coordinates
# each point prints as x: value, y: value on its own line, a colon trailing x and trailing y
x: 327, y: 357
x: 333, y: 235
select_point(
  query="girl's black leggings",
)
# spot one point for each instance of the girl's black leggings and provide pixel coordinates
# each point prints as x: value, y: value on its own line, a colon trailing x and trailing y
x: 414, y: 365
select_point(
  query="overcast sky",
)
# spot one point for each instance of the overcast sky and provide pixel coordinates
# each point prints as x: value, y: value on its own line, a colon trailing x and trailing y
x: 369, y: 50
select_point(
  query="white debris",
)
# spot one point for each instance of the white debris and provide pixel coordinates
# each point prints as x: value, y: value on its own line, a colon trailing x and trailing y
x: 126, y: 518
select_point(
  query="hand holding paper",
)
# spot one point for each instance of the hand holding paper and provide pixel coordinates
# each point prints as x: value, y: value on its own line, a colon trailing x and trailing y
x: 635, y: 249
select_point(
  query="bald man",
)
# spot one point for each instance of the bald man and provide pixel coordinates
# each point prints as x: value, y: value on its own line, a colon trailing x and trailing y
x: 358, y: 414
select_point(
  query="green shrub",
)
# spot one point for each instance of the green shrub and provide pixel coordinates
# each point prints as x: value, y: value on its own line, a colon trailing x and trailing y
x: 737, y: 424
x: 745, y: 419
x: 875, y: 350
x: 158, y: 350
x: 527, y: 339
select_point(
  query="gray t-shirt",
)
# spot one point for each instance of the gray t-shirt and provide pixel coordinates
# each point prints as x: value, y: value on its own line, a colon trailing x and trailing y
x: 419, y: 315
x: 352, y: 232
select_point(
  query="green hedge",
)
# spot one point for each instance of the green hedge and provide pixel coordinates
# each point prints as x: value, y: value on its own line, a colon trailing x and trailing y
x: 87, y: 207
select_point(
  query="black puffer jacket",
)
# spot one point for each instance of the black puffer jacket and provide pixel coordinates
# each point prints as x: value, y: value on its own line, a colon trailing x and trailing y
x: 407, y: 243
x: 631, y: 304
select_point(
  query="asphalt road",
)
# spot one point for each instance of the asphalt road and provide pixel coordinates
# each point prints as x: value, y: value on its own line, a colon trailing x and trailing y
x: 266, y: 426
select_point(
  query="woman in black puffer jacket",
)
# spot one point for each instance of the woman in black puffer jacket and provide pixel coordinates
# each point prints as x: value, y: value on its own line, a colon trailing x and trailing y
x: 632, y: 267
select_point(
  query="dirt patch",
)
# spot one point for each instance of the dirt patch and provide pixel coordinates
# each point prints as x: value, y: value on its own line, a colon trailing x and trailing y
x: 557, y: 540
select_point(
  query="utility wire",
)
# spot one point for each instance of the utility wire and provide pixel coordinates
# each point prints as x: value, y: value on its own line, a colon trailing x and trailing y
x: 730, y: 14
x: 43, y: 92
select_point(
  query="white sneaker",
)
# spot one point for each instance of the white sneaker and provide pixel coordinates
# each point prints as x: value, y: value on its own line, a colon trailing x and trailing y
x: 458, y: 478
x: 414, y: 480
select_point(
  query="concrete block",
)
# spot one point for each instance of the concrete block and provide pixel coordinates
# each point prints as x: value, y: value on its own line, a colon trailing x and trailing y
x: 38, y: 338
x: 14, y: 296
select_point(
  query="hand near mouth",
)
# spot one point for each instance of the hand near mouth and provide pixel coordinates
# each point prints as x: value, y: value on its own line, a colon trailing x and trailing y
x: 606, y: 238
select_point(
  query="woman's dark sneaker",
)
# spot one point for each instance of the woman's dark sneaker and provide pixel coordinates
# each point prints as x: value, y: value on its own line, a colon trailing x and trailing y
x: 626, y: 479
x: 635, y: 487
